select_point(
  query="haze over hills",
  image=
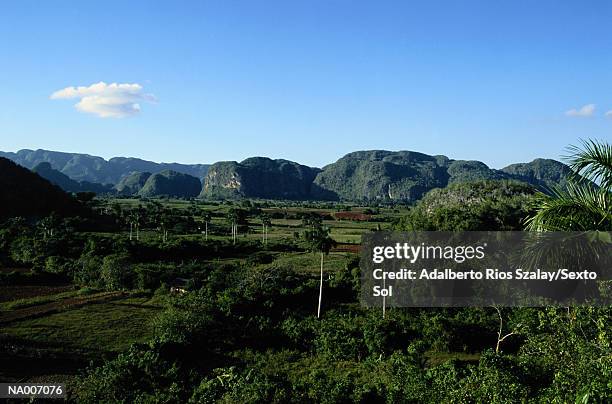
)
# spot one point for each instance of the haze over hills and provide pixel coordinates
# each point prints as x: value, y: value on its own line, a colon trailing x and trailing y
x: 68, y: 184
x: 371, y: 175
x: 84, y: 167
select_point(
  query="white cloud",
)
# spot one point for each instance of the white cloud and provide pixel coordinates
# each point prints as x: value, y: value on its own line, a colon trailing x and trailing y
x: 609, y: 114
x: 106, y: 100
x: 586, y: 110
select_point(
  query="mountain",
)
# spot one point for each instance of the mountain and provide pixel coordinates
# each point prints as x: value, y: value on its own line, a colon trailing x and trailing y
x: 543, y: 173
x: 171, y: 183
x: 25, y: 193
x: 83, y: 167
x: 133, y: 183
x: 370, y: 175
x: 380, y: 175
x: 259, y: 177
x: 66, y: 183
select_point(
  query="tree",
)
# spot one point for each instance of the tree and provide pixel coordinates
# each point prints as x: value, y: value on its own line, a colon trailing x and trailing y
x: 582, y: 205
x: 265, y: 224
x: 232, y: 218
x: 115, y: 271
x: 49, y: 225
x: 319, y: 241
x: 575, y: 338
x: 312, y: 220
x: 164, y: 222
x: 133, y: 218
x: 235, y: 216
x: 206, y: 218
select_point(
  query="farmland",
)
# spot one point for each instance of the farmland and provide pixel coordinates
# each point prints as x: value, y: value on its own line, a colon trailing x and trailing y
x: 218, y: 301
x: 53, y: 320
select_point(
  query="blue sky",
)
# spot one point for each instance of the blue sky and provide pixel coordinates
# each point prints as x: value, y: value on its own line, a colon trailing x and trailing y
x: 305, y: 80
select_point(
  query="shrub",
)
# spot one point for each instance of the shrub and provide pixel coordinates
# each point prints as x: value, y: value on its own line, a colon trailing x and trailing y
x: 115, y: 272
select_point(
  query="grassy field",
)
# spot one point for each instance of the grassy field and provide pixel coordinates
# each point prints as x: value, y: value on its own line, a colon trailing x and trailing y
x: 56, y: 344
x: 96, y: 327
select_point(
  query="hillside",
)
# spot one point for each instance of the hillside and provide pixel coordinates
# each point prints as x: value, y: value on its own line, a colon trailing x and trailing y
x: 380, y: 175
x: 84, y: 167
x: 370, y: 175
x: 259, y: 177
x: 471, y: 206
x: 171, y: 183
x: 66, y: 183
x: 543, y: 173
x: 133, y: 183
x: 27, y: 194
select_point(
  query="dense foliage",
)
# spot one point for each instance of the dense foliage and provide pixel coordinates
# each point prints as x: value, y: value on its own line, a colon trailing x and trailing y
x: 486, y: 205
x: 243, y: 326
x: 406, y: 176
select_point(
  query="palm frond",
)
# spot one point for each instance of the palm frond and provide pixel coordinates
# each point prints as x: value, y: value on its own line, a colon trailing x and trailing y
x: 592, y: 161
x: 579, y: 207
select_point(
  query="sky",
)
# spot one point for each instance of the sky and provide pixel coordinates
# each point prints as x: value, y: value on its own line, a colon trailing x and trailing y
x: 309, y: 81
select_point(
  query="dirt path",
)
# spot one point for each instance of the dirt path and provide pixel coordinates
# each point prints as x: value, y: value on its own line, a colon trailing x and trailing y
x: 61, y: 305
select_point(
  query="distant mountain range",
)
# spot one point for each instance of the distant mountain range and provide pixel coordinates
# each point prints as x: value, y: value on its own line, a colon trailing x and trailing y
x: 83, y: 167
x: 374, y: 175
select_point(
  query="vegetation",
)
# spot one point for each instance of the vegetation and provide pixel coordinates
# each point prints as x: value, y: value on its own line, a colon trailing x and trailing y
x: 373, y: 176
x: 406, y: 176
x: 259, y: 177
x: 132, y: 183
x: 486, y: 205
x: 141, y: 300
x: 582, y: 205
x: 171, y: 183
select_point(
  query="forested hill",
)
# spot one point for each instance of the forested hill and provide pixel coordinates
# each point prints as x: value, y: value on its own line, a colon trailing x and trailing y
x: 406, y: 176
x: 364, y: 176
x: 25, y: 193
x: 84, y: 167
x: 171, y: 183
x: 259, y: 177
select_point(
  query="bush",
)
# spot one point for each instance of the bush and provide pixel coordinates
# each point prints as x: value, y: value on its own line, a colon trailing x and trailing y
x: 115, y: 272
x: 88, y: 270
x: 60, y: 265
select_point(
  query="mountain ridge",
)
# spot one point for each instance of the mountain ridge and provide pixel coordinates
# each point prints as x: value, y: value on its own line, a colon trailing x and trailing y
x: 366, y: 175
x: 95, y: 169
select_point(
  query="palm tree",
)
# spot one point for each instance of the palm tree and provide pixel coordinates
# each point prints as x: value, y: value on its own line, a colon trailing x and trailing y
x: 232, y: 217
x: 133, y: 218
x: 129, y: 221
x: 312, y: 220
x: 319, y: 241
x: 582, y: 205
x: 165, y: 221
x: 265, y: 223
x: 206, y: 218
